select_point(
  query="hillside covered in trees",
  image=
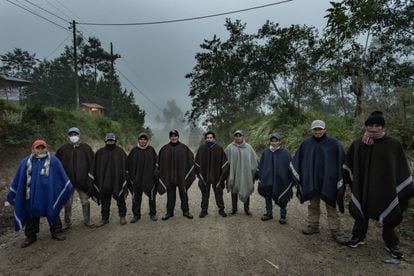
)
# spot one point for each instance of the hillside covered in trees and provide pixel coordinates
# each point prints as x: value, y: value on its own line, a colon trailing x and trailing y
x: 51, y: 99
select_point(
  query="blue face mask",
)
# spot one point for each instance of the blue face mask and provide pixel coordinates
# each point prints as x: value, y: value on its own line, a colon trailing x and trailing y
x: 210, y: 143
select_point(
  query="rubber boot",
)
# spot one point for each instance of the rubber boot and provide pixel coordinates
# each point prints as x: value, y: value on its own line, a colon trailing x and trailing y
x: 68, y: 218
x: 86, y: 210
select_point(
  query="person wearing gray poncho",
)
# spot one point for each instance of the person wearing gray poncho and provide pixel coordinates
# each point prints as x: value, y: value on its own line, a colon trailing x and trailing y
x: 243, y: 165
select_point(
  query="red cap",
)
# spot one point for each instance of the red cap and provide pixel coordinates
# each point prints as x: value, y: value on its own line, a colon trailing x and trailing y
x: 38, y: 143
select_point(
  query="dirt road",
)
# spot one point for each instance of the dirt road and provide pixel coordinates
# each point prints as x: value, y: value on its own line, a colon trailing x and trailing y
x: 236, y: 245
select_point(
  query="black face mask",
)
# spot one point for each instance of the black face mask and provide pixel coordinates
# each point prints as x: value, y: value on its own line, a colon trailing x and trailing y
x: 110, y: 146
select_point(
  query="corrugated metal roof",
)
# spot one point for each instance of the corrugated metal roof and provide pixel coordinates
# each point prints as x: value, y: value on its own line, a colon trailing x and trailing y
x: 14, y: 80
x: 92, y: 105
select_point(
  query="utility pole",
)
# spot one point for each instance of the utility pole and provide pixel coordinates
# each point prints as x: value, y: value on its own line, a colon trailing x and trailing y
x: 112, y: 77
x: 75, y: 61
x: 112, y: 59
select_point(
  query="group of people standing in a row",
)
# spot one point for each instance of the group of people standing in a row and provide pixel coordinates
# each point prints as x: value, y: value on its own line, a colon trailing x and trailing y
x: 375, y: 167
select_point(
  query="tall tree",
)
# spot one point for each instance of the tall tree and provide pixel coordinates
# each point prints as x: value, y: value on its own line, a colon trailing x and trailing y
x: 19, y: 63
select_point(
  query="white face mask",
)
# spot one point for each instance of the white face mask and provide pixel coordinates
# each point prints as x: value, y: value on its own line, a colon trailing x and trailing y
x: 74, y: 139
x: 43, y: 155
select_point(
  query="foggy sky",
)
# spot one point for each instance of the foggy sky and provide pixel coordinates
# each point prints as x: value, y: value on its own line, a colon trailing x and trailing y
x: 155, y: 58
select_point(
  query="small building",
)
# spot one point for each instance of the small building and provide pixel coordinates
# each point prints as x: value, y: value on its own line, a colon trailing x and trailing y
x: 11, y: 88
x: 93, y: 109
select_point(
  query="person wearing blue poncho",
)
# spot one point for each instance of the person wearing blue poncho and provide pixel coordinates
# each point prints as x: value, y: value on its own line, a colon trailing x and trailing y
x: 317, y: 169
x: 275, y: 177
x: 40, y: 188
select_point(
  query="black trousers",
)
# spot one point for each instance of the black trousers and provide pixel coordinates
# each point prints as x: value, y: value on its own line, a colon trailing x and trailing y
x: 32, y: 226
x: 235, y: 198
x: 205, y: 196
x: 388, y: 233
x: 171, y: 198
x: 137, y: 200
x: 106, y: 206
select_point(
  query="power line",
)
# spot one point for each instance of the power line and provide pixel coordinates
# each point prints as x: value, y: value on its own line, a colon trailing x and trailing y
x: 56, y: 8
x: 38, y: 15
x: 69, y: 16
x: 108, y: 40
x: 100, y: 34
x: 57, y: 47
x: 184, y: 19
x: 142, y: 93
x: 49, y: 12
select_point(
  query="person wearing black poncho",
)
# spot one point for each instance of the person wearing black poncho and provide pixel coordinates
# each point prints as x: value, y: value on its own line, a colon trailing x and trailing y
x: 381, y: 183
x: 317, y: 169
x: 77, y: 158
x: 176, y: 166
x: 108, y: 174
x: 211, y: 168
x: 142, y: 161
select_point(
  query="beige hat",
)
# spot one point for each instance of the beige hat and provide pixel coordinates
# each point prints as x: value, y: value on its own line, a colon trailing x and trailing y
x: 318, y: 124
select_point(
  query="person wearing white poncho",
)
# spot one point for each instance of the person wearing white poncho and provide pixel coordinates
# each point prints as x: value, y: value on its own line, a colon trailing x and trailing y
x: 243, y: 165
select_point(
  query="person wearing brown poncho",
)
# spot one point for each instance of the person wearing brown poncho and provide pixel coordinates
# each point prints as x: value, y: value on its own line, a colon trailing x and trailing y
x: 142, y: 170
x: 211, y: 168
x: 176, y: 166
x: 77, y: 158
x: 108, y: 174
x: 381, y: 183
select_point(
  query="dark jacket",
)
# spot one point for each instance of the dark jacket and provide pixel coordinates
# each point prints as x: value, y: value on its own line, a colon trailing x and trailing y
x: 211, y: 166
x: 108, y: 171
x: 318, y: 170
x: 380, y: 179
x: 77, y: 161
x: 142, y: 170
x: 176, y: 166
x: 275, y: 176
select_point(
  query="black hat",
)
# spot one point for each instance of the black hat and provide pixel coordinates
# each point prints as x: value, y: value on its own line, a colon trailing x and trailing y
x: 275, y: 136
x: 209, y: 132
x: 173, y: 132
x: 238, y: 132
x: 143, y: 134
x: 110, y: 136
x: 376, y: 117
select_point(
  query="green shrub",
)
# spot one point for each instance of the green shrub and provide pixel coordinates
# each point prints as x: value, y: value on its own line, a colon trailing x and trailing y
x: 19, y: 126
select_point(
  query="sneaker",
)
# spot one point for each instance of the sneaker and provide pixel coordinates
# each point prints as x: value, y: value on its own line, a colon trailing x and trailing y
x: 102, y: 222
x: 266, y: 217
x: 202, y: 214
x: 153, y: 217
x: 58, y: 236
x: 354, y: 242
x: 135, y: 219
x: 28, y: 241
x: 233, y: 212
x: 188, y: 215
x: 222, y: 213
x: 310, y: 230
x: 394, y: 251
x: 282, y: 220
x: 339, y: 237
x: 122, y: 221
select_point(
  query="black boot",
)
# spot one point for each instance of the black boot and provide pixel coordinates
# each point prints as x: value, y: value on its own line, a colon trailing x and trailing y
x: 28, y: 241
